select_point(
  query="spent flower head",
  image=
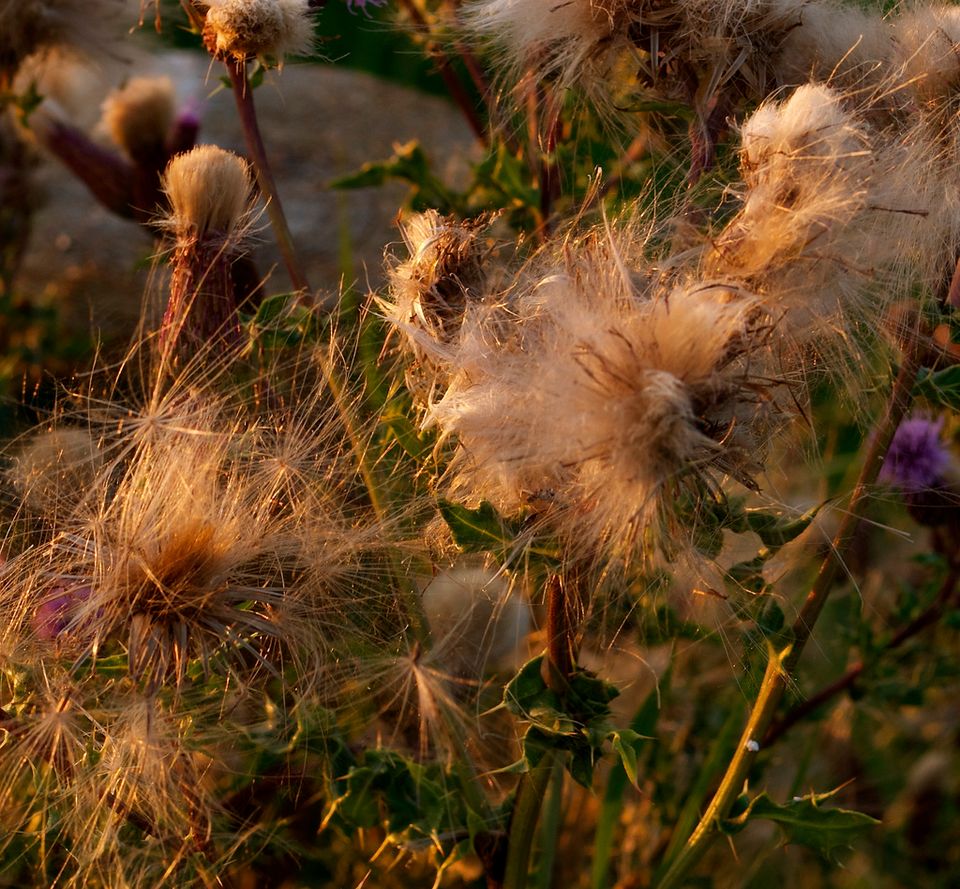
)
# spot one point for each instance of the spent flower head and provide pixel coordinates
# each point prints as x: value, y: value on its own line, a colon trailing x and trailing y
x: 265, y: 29
x: 597, y: 395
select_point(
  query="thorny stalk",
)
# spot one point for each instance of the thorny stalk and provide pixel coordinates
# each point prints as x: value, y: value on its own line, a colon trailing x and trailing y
x: 781, y: 664
x: 922, y: 621
x: 558, y: 665
x: 243, y: 94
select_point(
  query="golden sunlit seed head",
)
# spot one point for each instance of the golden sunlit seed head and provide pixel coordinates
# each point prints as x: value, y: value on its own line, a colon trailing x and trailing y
x: 268, y: 29
x: 209, y: 191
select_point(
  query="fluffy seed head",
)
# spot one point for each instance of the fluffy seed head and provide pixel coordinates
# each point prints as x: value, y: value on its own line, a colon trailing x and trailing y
x: 476, y: 620
x: 430, y: 290
x: 209, y: 191
x: 928, y: 42
x: 269, y: 29
x: 830, y: 208
x: 605, y: 395
x: 139, y: 117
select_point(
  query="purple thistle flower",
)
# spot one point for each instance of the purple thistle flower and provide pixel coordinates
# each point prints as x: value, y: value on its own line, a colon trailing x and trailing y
x: 917, y: 458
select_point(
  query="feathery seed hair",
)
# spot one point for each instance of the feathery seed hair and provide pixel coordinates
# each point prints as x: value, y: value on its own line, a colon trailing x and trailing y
x: 606, y: 396
x: 833, y: 212
x: 209, y: 191
x: 267, y: 29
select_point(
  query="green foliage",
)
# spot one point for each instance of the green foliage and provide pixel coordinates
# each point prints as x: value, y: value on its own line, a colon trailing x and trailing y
x: 576, y: 722
x: 941, y: 388
x: 804, y: 821
x: 483, y: 530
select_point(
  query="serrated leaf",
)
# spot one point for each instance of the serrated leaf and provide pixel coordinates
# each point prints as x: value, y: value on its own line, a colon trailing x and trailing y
x: 409, y: 164
x: 477, y: 530
x: 803, y: 821
x: 484, y: 530
x: 776, y: 530
x: 941, y: 387
x: 576, y: 722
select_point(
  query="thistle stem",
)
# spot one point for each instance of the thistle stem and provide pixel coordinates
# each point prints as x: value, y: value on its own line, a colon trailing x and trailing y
x: 781, y: 664
x: 523, y: 820
x: 243, y: 94
x: 559, y: 663
x: 452, y: 82
x: 248, y: 119
x: 926, y: 618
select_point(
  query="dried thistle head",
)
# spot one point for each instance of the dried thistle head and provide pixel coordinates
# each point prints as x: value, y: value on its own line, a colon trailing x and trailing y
x: 181, y: 558
x: 210, y: 195
x: 836, y: 216
x: 706, y: 54
x: 265, y: 29
x: 430, y: 290
x: 209, y: 190
x: 445, y: 268
x: 613, y: 391
x: 139, y: 117
x: 564, y: 35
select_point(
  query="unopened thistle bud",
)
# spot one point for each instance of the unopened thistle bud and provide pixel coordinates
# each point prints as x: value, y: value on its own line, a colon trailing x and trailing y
x: 139, y: 117
x: 209, y: 190
x: 264, y: 29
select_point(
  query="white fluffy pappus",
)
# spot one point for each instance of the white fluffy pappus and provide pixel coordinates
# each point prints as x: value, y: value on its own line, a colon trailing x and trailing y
x: 267, y: 29
x: 928, y: 45
x: 608, y: 402
x: 843, y: 44
x: 833, y: 213
x: 565, y: 34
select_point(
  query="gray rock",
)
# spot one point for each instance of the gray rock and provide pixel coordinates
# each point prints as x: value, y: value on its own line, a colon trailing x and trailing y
x: 319, y: 122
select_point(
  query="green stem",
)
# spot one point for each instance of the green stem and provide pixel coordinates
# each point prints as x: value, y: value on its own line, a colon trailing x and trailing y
x: 781, y: 664
x: 559, y: 664
x: 523, y: 820
x: 550, y: 826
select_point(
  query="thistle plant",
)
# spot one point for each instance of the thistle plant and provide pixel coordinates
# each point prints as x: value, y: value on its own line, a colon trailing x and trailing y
x: 619, y: 516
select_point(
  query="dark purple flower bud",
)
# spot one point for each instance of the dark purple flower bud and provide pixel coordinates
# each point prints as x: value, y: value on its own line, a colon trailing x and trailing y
x: 917, y: 458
